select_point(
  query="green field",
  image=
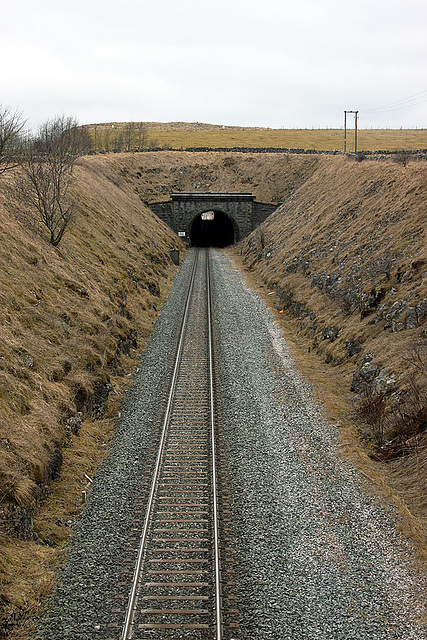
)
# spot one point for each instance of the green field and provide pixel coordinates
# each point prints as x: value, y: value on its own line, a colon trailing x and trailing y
x: 107, y: 137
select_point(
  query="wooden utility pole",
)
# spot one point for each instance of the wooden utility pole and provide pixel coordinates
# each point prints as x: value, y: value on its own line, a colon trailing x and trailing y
x: 355, y: 130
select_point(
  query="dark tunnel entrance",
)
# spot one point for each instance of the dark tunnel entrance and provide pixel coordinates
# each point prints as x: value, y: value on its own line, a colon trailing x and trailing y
x: 212, y: 229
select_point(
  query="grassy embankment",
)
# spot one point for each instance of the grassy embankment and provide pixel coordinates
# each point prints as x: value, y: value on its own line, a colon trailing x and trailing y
x: 72, y: 321
x: 347, y: 245
x: 182, y: 135
x: 73, y: 305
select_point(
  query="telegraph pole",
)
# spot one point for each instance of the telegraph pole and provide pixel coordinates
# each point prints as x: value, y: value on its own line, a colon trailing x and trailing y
x: 356, y: 113
x: 355, y: 130
x: 345, y: 131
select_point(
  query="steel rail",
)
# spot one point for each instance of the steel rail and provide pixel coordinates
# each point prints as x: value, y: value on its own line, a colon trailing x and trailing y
x: 218, y: 617
x: 133, y: 593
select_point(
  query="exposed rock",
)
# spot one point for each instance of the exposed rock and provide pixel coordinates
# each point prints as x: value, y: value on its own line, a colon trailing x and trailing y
x: 380, y: 314
x: 394, y: 312
x: 97, y: 402
x: 397, y: 326
x: 124, y: 346
x: 374, y: 298
x: 353, y: 348
x: 411, y: 318
x: 330, y: 333
x: 421, y: 310
x: 75, y: 422
x: 371, y: 376
x: 383, y: 383
x: 18, y: 521
x: 29, y: 361
x: 53, y: 468
x: 154, y: 289
x: 364, y: 376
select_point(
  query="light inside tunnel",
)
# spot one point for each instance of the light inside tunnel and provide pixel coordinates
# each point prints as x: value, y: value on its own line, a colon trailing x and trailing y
x: 212, y: 229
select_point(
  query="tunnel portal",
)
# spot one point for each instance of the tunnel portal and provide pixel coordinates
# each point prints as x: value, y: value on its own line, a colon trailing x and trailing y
x: 212, y: 229
x: 236, y: 215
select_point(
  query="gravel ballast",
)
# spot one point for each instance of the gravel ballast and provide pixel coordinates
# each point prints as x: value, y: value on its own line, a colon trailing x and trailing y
x: 317, y: 557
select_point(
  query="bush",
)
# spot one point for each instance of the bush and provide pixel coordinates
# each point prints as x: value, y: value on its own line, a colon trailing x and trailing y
x: 372, y: 409
x: 398, y: 419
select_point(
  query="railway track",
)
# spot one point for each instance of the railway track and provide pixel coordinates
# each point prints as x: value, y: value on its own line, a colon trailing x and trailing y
x: 176, y: 588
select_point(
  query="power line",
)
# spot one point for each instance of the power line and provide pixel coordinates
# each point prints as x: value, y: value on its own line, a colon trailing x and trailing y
x: 400, y: 104
x: 414, y: 104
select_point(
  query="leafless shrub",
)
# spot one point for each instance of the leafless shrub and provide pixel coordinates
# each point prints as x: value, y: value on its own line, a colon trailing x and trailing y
x: 399, y: 421
x: 418, y: 356
x: 11, y: 126
x: 372, y: 409
x: 47, y: 172
x: 409, y: 420
x: 409, y: 417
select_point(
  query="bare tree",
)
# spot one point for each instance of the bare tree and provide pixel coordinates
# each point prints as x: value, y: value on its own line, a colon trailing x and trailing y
x: 11, y: 126
x: 142, y: 136
x: 107, y: 136
x: 119, y: 141
x: 82, y: 139
x: 129, y: 132
x: 47, y: 172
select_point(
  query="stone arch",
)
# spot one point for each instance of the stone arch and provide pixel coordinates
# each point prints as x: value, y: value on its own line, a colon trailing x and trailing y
x: 220, y: 231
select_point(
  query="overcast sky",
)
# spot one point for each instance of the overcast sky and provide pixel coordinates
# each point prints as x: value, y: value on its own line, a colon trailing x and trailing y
x: 271, y: 63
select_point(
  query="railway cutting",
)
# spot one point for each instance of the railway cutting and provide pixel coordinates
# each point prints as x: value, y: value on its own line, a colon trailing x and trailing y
x: 176, y: 590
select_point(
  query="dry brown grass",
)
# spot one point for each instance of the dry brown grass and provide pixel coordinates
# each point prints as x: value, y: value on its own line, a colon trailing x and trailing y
x: 270, y: 177
x: 366, y: 221
x: 65, y: 312
x: 179, y: 135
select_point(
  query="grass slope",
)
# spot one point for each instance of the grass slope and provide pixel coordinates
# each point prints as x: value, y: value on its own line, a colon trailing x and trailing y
x: 269, y: 176
x: 72, y: 320
x: 346, y: 246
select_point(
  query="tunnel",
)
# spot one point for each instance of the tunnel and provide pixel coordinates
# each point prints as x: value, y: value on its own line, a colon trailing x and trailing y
x: 212, y: 229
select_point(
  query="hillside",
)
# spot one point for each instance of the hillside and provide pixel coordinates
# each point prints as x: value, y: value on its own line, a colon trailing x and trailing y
x: 344, y: 259
x: 72, y: 322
